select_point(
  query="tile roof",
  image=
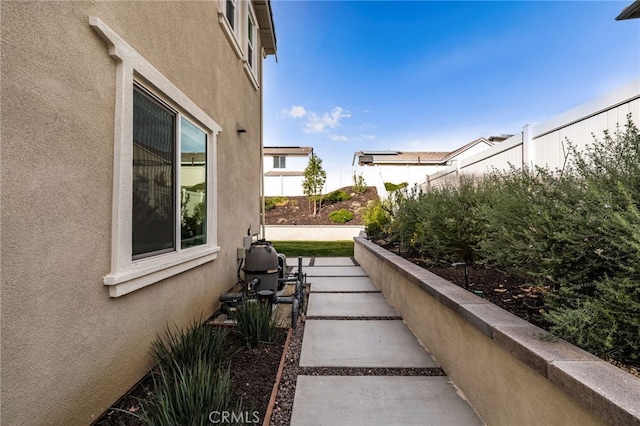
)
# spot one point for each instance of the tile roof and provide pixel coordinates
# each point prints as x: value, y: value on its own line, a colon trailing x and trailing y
x: 283, y: 173
x: 288, y: 150
x: 419, y: 158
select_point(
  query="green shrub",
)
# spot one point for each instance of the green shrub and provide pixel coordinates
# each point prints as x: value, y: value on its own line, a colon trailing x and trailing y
x: 600, y: 311
x: 442, y: 224
x: 335, y: 196
x: 607, y: 324
x: 341, y: 216
x: 390, y: 187
x: 518, y: 220
x: 271, y: 202
x: 359, y: 184
x: 577, y: 228
x: 376, y: 219
x: 256, y: 324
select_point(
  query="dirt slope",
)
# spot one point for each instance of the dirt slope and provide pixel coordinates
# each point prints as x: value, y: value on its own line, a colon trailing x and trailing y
x: 299, y: 211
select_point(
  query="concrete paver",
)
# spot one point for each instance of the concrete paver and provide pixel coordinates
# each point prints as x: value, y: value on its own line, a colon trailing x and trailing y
x: 349, y: 305
x: 333, y: 284
x: 334, y: 271
x: 333, y: 261
x: 368, y: 343
x: 379, y: 400
x: 293, y: 261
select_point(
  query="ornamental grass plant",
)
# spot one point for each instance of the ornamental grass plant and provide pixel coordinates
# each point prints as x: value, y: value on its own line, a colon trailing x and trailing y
x: 256, y: 324
x: 186, y: 347
x: 189, y: 395
x: 192, y: 377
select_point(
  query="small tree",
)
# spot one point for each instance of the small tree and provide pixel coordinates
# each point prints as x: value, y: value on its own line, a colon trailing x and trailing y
x: 314, y: 178
x: 359, y: 184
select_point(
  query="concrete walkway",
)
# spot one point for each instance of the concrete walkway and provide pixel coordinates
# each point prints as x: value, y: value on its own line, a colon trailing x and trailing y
x: 378, y: 372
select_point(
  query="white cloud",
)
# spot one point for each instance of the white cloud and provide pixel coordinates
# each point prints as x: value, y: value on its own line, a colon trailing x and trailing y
x: 321, y: 123
x: 318, y: 123
x: 368, y: 137
x: 338, y: 138
x: 296, y: 111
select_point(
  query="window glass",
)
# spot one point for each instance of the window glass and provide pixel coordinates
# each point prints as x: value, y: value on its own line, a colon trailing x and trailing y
x: 193, y: 184
x: 250, y: 41
x: 231, y: 10
x: 153, y: 214
x: 279, y: 162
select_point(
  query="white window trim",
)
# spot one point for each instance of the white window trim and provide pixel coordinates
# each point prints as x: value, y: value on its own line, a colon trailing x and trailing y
x: 233, y: 35
x: 126, y: 274
x: 252, y: 73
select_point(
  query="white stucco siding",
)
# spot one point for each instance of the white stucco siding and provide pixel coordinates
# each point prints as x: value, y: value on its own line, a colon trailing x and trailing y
x: 292, y: 163
x: 283, y: 186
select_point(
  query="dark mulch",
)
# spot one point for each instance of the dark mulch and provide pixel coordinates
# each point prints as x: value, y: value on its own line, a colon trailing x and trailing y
x: 298, y: 210
x: 518, y: 295
x: 254, y: 372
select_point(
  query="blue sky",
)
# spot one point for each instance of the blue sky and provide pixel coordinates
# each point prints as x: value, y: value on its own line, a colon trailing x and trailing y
x: 433, y: 76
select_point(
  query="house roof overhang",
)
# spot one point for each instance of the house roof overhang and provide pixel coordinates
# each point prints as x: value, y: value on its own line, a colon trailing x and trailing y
x: 264, y: 15
x: 421, y: 158
x: 630, y: 12
x: 302, y: 151
x: 283, y: 173
x: 398, y: 158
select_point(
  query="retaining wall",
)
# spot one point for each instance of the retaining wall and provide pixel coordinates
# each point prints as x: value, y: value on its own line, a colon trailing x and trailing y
x: 511, y: 372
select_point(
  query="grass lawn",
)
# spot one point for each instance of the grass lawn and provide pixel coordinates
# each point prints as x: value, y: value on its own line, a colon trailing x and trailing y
x: 314, y: 248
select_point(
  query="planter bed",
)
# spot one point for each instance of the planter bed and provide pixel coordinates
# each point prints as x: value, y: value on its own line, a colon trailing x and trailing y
x: 253, y: 374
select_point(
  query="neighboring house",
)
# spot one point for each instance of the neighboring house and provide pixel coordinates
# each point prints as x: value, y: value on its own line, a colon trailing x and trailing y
x: 284, y: 169
x: 131, y: 170
x: 412, y: 167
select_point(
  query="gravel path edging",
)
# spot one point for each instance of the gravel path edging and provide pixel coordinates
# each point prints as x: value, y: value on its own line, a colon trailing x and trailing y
x: 276, y: 384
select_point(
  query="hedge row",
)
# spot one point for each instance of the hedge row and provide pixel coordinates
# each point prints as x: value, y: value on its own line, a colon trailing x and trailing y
x: 577, y: 228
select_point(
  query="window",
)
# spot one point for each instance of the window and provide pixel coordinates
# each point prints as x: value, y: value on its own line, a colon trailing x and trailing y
x: 228, y: 13
x: 193, y: 185
x: 250, y: 61
x: 231, y: 13
x: 279, y: 162
x: 155, y: 198
x: 164, y: 188
x: 251, y: 36
x: 153, y: 209
x: 238, y: 21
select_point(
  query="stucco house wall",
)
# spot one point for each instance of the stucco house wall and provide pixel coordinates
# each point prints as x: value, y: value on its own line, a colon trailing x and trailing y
x: 70, y: 349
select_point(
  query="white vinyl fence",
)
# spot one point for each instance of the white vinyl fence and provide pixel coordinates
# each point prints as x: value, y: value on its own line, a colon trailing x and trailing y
x: 545, y: 144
